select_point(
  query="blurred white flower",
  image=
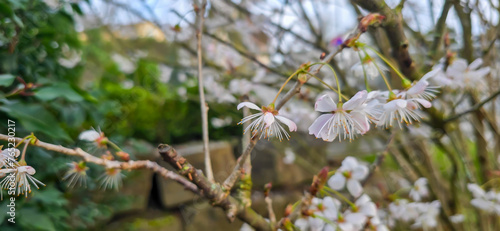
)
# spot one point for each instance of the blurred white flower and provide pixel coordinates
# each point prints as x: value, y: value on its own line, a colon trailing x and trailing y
x: 419, y: 189
x: 467, y: 76
x: 76, y: 174
x: 7, y: 157
x: 289, y: 156
x: 111, y: 178
x: 350, y: 174
x: 457, y: 218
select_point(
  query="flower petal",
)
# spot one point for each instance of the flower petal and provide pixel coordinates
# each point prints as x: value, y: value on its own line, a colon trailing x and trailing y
x: 318, y: 124
x: 291, y: 125
x: 360, y: 172
x: 249, y: 105
x: 337, y: 181
x: 268, y: 118
x: 354, y: 187
x: 89, y: 135
x: 361, y: 121
x: 357, y: 100
x: 395, y: 105
x: 423, y: 102
x: 475, y: 64
x: 325, y: 104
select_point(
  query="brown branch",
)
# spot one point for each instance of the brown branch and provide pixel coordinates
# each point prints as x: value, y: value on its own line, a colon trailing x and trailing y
x: 439, y: 31
x: 203, y: 104
x: 393, y: 27
x: 474, y: 108
x: 129, y: 165
x: 212, y: 191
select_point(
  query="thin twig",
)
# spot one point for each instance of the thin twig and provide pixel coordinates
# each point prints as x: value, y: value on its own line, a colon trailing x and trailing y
x: 203, y: 104
x: 474, y: 108
x: 129, y: 165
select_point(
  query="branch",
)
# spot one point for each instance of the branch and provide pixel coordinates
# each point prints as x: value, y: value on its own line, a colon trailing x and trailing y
x: 129, y: 165
x: 393, y: 27
x: 203, y: 103
x: 474, y: 108
x: 439, y: 30
x: 213, y: 191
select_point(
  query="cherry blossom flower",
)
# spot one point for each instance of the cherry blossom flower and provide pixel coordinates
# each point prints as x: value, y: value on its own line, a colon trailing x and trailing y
x: 419, y: 190
x: 111, y: 178
x: 24, y: 179
x: 464, y: 75
x: 350, y: 173
x: 401, y: 110
x: 421, y: 90
x: 342, y: 120
x: 485, y: 201
x: 76, y: 174
x: 94, y: 136
x: 368, y: 67
x: 267, y: 122
x: 7, y: 157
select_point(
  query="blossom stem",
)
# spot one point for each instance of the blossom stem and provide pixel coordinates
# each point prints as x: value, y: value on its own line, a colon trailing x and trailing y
x: 386, y: 61
x: 114, y: 146
x: 326, y: 84
x: 489, y: 182
x: 341, y: 196
x: 23, y: 155
x: 288, y: 80
x: 336, y: 78
x: 380, y: 71
x: 364, y: 73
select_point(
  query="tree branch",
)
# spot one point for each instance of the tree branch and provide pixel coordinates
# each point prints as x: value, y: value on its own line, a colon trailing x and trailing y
x: 212, y: 191
x: 201, y: 88
x: 129, y: 165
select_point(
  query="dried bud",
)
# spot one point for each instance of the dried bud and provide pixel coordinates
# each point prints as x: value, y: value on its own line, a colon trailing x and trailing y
x: 307, y: 212
x: 351, y: 42
x: 323, y: 55
x: 446, y: 39
x: 123, y: 155
x: 369, y: 20
x: 288, y: 210
x: 267, y: 189
x: 319, y: 181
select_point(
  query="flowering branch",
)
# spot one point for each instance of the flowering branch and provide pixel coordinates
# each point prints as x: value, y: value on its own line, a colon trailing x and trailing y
x: 111, y: 164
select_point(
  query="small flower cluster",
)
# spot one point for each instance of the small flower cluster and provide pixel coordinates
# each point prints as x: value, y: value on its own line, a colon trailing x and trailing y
x: 485, y: 201
x: 422, y: 214
x: 329, y: 213
x: 461, y: 75
x: 17, y: 176
x: 326, y: 214
x: 111, y: 178
x: 347, y: 120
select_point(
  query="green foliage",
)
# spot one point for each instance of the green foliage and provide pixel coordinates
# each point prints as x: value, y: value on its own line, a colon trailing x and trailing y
x: 57, y: 102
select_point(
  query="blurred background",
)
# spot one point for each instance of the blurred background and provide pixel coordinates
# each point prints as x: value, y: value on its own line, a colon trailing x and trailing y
x: 128, y: 68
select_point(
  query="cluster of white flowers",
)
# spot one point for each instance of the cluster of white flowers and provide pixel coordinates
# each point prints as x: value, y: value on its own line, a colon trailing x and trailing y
x: 327, y: 215
x: 349, y: 175
x: 422, y: 214
x: 485, y: 201
x: 111, y: 178
x: 460, y: 75
x: 347, y: 120
x: 17, y: 177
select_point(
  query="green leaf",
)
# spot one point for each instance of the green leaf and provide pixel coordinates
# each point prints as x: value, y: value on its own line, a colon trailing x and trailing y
x: 50, y: 196
x: 36, y: 119
x: 5, y: 9
x: 6, y: 79
x: 32, y: 219
x: 58, y: 90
